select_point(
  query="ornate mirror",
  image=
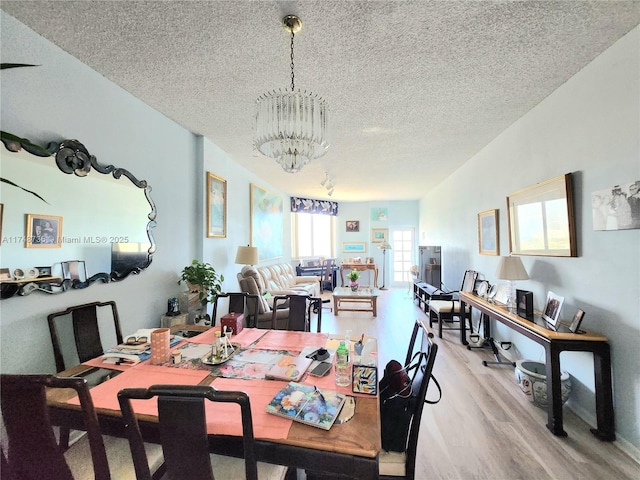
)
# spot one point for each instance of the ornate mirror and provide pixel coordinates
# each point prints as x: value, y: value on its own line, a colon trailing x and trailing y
x: 68, y: 221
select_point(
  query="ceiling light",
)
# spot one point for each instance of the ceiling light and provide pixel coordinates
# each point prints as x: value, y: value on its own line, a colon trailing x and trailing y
x: 291, y: 127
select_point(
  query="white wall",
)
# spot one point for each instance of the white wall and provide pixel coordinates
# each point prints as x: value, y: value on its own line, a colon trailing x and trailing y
x: 590, y: 127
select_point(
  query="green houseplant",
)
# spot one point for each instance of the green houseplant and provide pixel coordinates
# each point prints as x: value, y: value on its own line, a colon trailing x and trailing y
x: 353, y: 277
x: 202, y: 278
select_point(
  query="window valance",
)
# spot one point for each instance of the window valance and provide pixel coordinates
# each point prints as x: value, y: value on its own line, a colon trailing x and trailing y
x: 309, y: 205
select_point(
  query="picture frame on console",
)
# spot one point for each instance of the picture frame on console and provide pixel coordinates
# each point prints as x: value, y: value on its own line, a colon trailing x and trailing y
x: 524, y: 303
x: 552, y: 309
x: 574, y: 326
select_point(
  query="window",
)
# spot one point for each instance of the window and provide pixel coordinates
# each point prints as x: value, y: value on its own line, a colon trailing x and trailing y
x: 402, y: 254
x: 312, y: 235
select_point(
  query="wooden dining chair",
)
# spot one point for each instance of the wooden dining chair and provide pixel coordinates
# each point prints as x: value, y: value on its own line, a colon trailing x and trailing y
x: 183, y: 433
x: 445, y: 308
x: 393, y: 465
x: 33, y: 453
x: 237, y: 303
x: 86, y: 332
x: 301, y: 310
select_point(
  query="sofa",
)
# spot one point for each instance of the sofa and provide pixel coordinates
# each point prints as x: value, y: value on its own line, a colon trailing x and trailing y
x: 269, y: 281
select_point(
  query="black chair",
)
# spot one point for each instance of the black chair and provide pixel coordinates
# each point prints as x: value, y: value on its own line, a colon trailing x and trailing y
x: 85, y: 331
x: 87, y: 339
x: 301, y: 309
x: 326, y: 280
x: 445, y: 308
x: 237, y: 304
x: 183, y: 433
x: 33, y: 453
x: 393, y: 465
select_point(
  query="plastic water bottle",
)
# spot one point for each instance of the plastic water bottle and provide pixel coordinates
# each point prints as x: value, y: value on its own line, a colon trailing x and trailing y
x: 343, y: 370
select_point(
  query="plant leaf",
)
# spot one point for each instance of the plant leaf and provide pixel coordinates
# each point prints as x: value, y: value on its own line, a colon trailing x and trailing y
x: 15, y: 65
x: 4, y: 180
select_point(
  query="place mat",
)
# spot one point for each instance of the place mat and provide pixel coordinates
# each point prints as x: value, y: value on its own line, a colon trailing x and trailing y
x: 294, y: 341
x: 245, y: 338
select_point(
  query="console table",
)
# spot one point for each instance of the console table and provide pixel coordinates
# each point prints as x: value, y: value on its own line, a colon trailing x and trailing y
x: 554, y: 343
x: 359, y: 267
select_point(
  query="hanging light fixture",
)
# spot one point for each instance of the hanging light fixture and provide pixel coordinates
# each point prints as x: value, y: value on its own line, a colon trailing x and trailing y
x: 291, y: 127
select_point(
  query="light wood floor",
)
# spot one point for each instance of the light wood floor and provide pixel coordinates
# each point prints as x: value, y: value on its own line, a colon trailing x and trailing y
x: 483, y: 427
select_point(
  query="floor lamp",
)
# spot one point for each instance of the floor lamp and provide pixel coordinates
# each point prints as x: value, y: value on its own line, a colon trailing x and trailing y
x: 384, y: 246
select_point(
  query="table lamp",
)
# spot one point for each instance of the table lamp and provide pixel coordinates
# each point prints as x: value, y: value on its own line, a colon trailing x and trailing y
x: 247, y: 255
x: 510, y: 269
x: 384, y: 246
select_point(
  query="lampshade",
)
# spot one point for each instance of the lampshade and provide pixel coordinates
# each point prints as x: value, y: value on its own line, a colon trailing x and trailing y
x: 511, y: 268
x: 247, y: 255
x: 291, y: 127
x: 384, y: 245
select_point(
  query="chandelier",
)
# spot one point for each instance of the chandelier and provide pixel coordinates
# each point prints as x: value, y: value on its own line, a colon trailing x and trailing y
x: 291, y: 127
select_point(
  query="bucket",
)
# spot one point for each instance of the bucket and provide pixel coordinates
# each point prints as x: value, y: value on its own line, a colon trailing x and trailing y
x: 532, y: 379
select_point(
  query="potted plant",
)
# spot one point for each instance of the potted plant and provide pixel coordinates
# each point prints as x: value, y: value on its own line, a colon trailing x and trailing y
x: 353, y: 277
x: 202, y: 278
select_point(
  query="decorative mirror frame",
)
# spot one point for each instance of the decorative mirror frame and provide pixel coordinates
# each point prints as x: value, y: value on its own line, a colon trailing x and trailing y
x: 71, y: 156
x: 531, y: 219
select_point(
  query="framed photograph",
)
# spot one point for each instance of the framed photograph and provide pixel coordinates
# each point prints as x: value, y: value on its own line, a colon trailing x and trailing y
x: 574, y: 326
x: 352, y: 225
x: 488, y: 232
x: 379, y: 235
x: 44, y: 272
x: 354, y: 247
x: 524, y: 303
x: 541, y: 219
x: 616, y: 208
x: 267, y: 223
x: 552, y: 309
x: 216, y: 206
x: 369, y: 260
x: 44, y: 231
x: 364, y: 379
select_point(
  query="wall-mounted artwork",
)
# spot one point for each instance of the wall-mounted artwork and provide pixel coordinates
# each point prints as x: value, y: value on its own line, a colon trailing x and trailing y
x: 216, y: 206
x: 44, y: 231
x: 617, y: 207
x: 379, y: 235
x: 488, y: 233
x: 353, y: 225
x: 267, y: 225
x: 379, y: 214
x: 541, y: 219
x: 354, y: 247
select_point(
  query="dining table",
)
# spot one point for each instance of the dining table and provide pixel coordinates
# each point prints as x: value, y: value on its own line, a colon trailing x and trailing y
x: 350, y: 449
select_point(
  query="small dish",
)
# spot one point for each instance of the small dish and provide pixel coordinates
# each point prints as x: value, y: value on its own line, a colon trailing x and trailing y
x: 482, y: 289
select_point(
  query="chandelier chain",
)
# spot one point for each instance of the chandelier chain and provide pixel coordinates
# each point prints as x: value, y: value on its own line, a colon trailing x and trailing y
x: 292, y: 74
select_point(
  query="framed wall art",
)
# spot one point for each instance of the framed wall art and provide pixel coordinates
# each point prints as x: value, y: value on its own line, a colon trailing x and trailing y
x: 541, y: 219
x: 379, y: 214
x: 44, y: 231
x: 216, y: 206
x: 354, y: 247
x: 379, y: 235
x: 617, y: 207
x: 267, y: 227
x: 352, y: 225
x: 488, y: 233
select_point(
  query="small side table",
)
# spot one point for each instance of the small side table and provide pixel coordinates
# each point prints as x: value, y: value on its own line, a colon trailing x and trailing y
x: 168, y: 321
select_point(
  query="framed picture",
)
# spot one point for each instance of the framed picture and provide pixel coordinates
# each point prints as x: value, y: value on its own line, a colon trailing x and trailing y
x: 44, y: 231
x: 267, y: 223
x: 616, y: 208
x: 552, y: 309
x: 488, y: 233
x: 524, y: 303
x: 354, y: 247
x: 216, y: 206
x: 364, y: 379
x: 352, y: 225
x: 44, y: 272
x: 541, y: 219
x: 379, y: 235
x: 379, y: 214
x: 574, y: 326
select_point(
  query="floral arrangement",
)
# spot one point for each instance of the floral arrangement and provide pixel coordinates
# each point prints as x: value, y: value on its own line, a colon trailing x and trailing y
x: 353, y: 277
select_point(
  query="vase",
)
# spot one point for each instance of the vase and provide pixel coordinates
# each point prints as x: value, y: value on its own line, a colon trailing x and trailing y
x: 354, y: 287
x: 532, y: 379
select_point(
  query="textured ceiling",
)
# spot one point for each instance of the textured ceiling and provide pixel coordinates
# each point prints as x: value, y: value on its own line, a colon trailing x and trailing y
x: 415, y: 88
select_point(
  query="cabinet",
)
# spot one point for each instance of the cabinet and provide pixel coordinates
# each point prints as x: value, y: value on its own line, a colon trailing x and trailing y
x: 430, y: 265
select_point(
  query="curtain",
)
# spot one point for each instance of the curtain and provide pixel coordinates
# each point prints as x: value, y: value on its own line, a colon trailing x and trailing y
x: 309, y: 205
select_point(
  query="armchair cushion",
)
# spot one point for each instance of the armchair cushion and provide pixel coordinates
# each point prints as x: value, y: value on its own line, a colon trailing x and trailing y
x: 249, y: 285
